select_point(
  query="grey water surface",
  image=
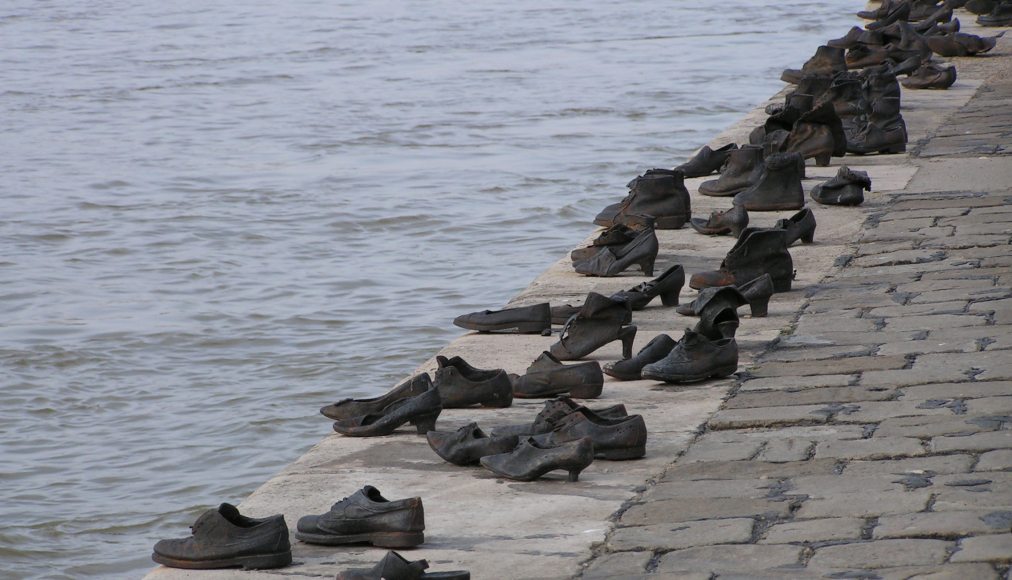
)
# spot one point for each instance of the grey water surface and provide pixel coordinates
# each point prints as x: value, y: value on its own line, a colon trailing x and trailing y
x: 219, y: 216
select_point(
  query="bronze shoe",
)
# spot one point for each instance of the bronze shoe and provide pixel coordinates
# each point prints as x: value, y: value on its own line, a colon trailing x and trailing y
x: 532, y: 459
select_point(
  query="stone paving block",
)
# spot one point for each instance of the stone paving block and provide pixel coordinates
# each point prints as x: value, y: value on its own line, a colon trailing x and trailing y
x: 876, y: 448
x: 808, y: 432
x: 768, y: 417
x: 995, y: 460
x: 958, y: 287
x: 951, y: 202
x: 809, y: 397
x: 701, y: 508
x: 958, y: 463
x: 834, y: 366
x: 854, y: 302
x: 840, y: 321
x: 741, y: 488
x: 816, y: 353
x: 963, y: 273
x: 931, y: 426
x: 905, y: 225
x: 925, y: 213
x: 978, y: 481
x: 822, y: 530
x: 731, y: 558
x: 914, y: 376
x: 618, y: 565
x: 676, y: 536
x: 827, y: 486
x: 941, y: 572
x: 898, y: 257
x: 991, y: 548
x: 707, y: 450
x: 1002, y: 309
x: 915, y: 309
x: 749, y: 470
x: 817, y: 337
x: 967, y: 390
x: 792, y: 383
x: 881, y: 554
x: 977, y: 442
x: 948, y: 525
x: 875, y: 411
x: 957, y: 499
x: 990, y: 405
x: 930, y: 344
x: 786, y: 450
x: 934, y: 321
x: 863, y: 504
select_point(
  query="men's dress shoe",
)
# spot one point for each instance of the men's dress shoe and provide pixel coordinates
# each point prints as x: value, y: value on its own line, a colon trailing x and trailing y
x: 758, y: 251
x: 629, y: 369
x: 846, y: 188
x: 349, y: 408
x: 930, y: 76
x: 707, y: 161
x: 224, y: 538
x: 393, y: 566
x: 366, y: 517
x: 467, y: 445
x: 532, y: 459
x: 600, y: 320
x: 743, y: 168
x: 613, y: 260
x: 800, y: 226
x: 548, y: 377
x: 462, y: 385
x: 421, y: 411
x: 695, y: 358
x: 778, y: 189
x: 536, y: 318
x: 553, y: 412
x: 731, y: 221
x: 614, y: 439
x: 668, y: 285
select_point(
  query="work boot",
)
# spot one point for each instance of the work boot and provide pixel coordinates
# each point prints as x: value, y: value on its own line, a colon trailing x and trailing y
x: 911, y: 43
x: 800, y: 226
x: 847, y: 40
x: 778, y: 189
x: 843, y: 189
x: 796, y: 105
x: 743, y: 168
x: 898, y: 11
x: 707, y: 161
x: 815, y: 85
x: 865, y: 55
x: 931, y: 76
x: 731, y: 221
x: 599, y: 321
x: 758, y: 251
x: 819, y: 134
x: 846, y: 94
x: 827, y: 60
x: 659, y: 193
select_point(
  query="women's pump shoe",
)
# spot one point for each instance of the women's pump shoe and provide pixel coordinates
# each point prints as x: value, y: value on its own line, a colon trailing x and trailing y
x: 536, y: 319
x: 421, y: 411
x: 630, y: 368
x: 393, y: 566
x: 600, y: 321
x: 224, y: 538
x: 366, y: 517
x: 614, y: 439
x: 462, y: 385
x: 707, y: 161
x: 800, y: 226
x: 725, y: 296
x: 758, y: 251
x: 846, y: 188
x: 548, y: 377
x: 553, y: 412
x: 467, y: 445
x: 531, y: 459
x: 743, y: 168
x: 668, y: 286
x: 613, y: 260
x: 695, y: 358
x: 349, y: 408
x: 731, y: 221
x: 778, y: 189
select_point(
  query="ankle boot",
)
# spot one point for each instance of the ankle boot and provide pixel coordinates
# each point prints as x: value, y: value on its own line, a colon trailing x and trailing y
x: 827, y: 60
x: 940, y: 16
x: 864, y: 55
x: 905, y: 67
x: 659, y: 193
x: 796, y: 105
x: 999, y: 15
x: 847, y: 96
x: 758, y: 251
x: 599, y: 322
x: 844, y: 189
x: 744, y: 166
x: 874, y: 139
x: 731, y: 221
x: 707, y: 161
x: 879, y: 12
x: 719, y: 296
x: 695, y: 358
x: 778, y: 189
x: 921, y: 9
x: 847, y: 40
x: 613, y: 260
x: 668, y: 286
x: 758, y: 291
x: 931, y: 76
x: 815, y: 85
x: 629, y: 369
x: 548, y: 377
x: 800, y: 226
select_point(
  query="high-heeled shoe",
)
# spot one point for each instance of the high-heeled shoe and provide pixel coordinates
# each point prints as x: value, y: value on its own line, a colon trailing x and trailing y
x: 462, y: 385
x: 630, y: 368
x: 800, y: 226
x: 553, y: 412
x: 613, y: 260
x: 530, y: 460
x: 548, y: 377
x: 348, y: 408
x: 421, y: 411
x: 467, y: 445
x: 756, y: 293
x: 668, y: 286
x: 600, y: 321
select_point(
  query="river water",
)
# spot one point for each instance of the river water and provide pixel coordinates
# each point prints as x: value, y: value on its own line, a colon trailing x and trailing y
x: 219, y: 216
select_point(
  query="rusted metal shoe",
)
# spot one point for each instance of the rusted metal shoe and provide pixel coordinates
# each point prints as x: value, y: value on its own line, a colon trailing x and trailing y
x: 613, y: 260
x: 532, y: 459
x: 846, y: 188
x: 668, y: 286
x: 547, y: 376
x: 462, y: 385
x: 659, y: 193
x: 756, y: 293
x: 818, y: 133
x: 366, y: 517
x: 393, y: 566
x: 348, y: 408
x: 758, y: 251
x: 468, y: 444
x: 961, y: 44
x: 600, y: 320
x: 629, y: 369
x: 930, y: 75
x: 534, y: 319
x: 800, y: 226
x: 695, y: 358
x: 778, y: 189
x: 743, y: 168
x: 553, y: 412
x: 614, y: 439
x: 616, y: 235
x: 827, y: 60
x: 707, y: 161
x: 224, y: 538
x: 731, y: 221
x: 875, y: 139
x: 421, y: 411
x: 999, y: 15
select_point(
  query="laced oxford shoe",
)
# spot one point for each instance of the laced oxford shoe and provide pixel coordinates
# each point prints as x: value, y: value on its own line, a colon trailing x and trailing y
x: 695, y: 358
x: 758, y: 251
x: 707, y: 161
x: 462, y: 385
x: 555, y: 410
x: 630, y: 368
x: 548, y: 377
x: 532, y: 459
x: 393, y: 566
x: 349, y: 408
x: 843, y: 189
x: 366, y: 517
x: 468, y: 444
x: 224, y: 538
x: 614, y: 439
x: 731, y: 221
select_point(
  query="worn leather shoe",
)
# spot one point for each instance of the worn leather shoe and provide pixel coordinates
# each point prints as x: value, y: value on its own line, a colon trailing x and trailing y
x: 800, y: 226
x: 630, y: 368
x: 224, y: 538
x: 731, y: 221
x: 467, y: 445
x: 393, y: 566
x: 846, y: 188
x: 366, y: 517
x: 421, y: 411
x: 614, y: 439
x: 553, y: 412
x: 707, y: 161
x: 695, y: 358
x: 532, y: 459
x: 462, y: 385
x: 668, y: 286
x: 349, y: 408
x: 534, y: 319
x: 547, y: 376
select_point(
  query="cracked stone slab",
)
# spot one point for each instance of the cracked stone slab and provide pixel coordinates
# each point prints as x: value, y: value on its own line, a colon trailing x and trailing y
x: 976, y: 442
x: 677, y: 536
x: 877, y: 448
x: 685, y: 509
x: 731, y: 558
x: 834, y: 366
x: 947, y: 525
x: 881, y: 554
x: 820, y: 530
x: 992, y: 548
x: 933, y: 464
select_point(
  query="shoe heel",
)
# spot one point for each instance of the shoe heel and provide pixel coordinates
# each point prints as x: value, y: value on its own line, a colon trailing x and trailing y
x: 760, y: 307
x: 781, y: 284
x: 822, y: 160
x: 592, y: 391
x: 808, y: 238
x: 574, y: 474
x: 647, y: 265
x: 627, y: 335
x: 671, y: 298
x: 397, y: 539
x: 265, y: 561
x: 425, y: 423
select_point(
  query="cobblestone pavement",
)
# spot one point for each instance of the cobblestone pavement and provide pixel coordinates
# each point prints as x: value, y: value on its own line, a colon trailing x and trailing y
x: 873, y: 440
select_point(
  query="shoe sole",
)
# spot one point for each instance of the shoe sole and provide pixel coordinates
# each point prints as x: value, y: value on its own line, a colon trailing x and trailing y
x: 716, y: 373
x: 622, y: 454
x: 261, y: 562
x: 521, y: 328
x: 621, y: 376
x: 381, y: 539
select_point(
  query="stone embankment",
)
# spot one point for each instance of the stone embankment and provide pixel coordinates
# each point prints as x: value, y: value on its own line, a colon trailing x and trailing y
x: 868, y: 433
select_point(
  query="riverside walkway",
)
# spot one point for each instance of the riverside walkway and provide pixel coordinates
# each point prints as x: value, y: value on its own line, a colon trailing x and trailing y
x: 867, y: 434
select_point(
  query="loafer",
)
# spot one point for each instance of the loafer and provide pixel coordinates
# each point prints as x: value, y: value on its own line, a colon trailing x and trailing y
x: 421, y: 411
x: 548, y: 376
x: 462, y: 385
x: 534, y: 319
x: 614, y: 439
x: 532, y: 459
x: 467, y: 445
x: 630, y: 368
x: 366, y: 517
x: 695, y: 358
x: 349, y: 408
x: 553, y: 412
x: 224, y: 538
x: 393, y: 566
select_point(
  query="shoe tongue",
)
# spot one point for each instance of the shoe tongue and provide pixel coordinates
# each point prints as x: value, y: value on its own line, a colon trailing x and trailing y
x: 372, y: 493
